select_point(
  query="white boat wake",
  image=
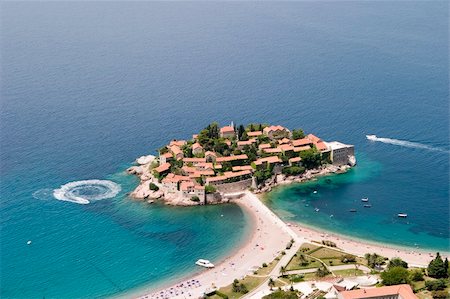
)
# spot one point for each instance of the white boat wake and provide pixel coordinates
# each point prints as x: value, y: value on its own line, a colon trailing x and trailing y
x: 83, y: 192
x: 405, y: 143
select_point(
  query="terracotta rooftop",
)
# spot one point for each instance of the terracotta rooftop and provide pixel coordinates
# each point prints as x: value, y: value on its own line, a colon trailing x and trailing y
x: 194, y: 160
x: 254, y: 134
x: 167, y: 155
x: 162, y: 167
x: 227, y: 129
x: 295, y: 159
x: 403, y: 291
x: 248, y: 142
x: 301, y: 148
x: 270, y: 160
x: 313, y: 138
x: 286, y: 147
x: 239, y: 168
x: 321, y: 146
x: 274, y: 128
x: 174, y: 178
x: 264, y: 145
x: 196, y: 145
x: 273, y: 150
x: 179, y: 143
x: 301, y: 142
x: 284, y: 140
x: 232, y: 158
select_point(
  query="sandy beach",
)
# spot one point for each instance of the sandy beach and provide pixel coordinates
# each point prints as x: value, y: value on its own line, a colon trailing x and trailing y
x: 269, y: 237
x: 414, y: 257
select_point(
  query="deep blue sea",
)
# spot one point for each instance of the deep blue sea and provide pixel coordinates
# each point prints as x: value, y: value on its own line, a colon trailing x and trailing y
x: 87, y: 87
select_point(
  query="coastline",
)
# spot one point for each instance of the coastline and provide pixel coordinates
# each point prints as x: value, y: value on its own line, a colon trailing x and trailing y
x: 268, y: 237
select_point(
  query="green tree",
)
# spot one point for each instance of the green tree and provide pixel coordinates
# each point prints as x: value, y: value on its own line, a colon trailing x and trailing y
x: 436, y: 285
x: 282, y: 295
x: 395, y: 275
x: 210, y: 189
x: 322, y: 271
x: 298, y: 134
x: 436, y: 268
x: 446, y: 267
x: 271, y: 283
x: 240, y: 131
x: 374, y: 260
x: 440, y: 295
x: 283, y: 271
x: 416, y: 275
x: 153, y: 187
x: 397, y: 262
x: 311, y: 158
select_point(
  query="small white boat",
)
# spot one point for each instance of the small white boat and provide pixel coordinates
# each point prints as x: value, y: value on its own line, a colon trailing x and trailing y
x: 365, y: 199
x: 402, y: 215
x: 317, y: 209
x: 315, y: 192
x: 204, y: 263
x: 371, y: 137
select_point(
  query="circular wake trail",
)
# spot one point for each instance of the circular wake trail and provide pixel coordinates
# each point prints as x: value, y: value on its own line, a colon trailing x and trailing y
x: 83, y: 192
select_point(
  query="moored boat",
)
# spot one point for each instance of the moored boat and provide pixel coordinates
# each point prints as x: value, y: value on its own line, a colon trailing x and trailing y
x: 365, y: 199
x: 367, y: 206
x: 204, y: 263
x: 352, y: 210
x: 402, y: 215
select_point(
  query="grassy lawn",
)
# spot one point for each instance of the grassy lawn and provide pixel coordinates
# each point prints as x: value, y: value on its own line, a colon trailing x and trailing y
x: 269, y: 268
x: 328, y: 255
x: 348, y: 272
x: 307, y: 248
x: 250, y: 282
x: 295, y: 262
x: 312, y: 276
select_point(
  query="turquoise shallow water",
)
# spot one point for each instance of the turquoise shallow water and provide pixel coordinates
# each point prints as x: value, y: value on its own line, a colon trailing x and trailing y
x: 337, y: 194
x: 88, y: 87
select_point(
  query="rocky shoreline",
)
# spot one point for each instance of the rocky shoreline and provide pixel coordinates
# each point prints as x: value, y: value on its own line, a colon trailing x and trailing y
x: 144, y: 193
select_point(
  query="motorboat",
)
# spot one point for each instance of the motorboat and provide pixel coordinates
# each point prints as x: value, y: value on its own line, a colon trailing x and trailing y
x: 402, y: 215
x: 315, y: 191
x: 371, y: 137
x: 365, y: 199
x: 367, y: 206
x: 352, y: 210
x: 204, y: 263
x: 317, y: 209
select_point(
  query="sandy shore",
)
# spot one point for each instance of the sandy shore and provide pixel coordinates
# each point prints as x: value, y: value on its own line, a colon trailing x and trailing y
x: 268, y: 238
x: 414, y: 257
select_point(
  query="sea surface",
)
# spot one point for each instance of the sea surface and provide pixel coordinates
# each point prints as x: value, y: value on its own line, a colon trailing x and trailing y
x: 87, y: 87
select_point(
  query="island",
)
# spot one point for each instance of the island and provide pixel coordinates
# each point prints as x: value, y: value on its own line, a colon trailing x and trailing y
x: 220, y: 161
x: 277, y: 259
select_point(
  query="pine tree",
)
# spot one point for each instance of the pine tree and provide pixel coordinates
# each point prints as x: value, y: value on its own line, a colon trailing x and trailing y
x: 446, y: 267
x: 436, y: 267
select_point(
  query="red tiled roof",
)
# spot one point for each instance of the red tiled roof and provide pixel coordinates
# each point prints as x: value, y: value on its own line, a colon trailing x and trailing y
x: 295, y: 159
x: 404, y: 290
x: 321, y: 146
x: 254, y: 134
x: 301, y: 142
x: 286, y: 147
x: 313, y: 138
x: 167, y: 155
x: 301, y: 148
x: 231, y: 158
x: 244, y: 167
x: 162, y: 167
x: 284, y: 140
x: 175, y: 149
x: 174, y: 178
x: 273, y: 150
x: 194, y: 160
x: 274, y: 128
x: 248, y: 142
x: 196, y: 145
x: 264, y: 145
x: 270, y: 160
x: 227, y: 129
x: 179, y: 143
